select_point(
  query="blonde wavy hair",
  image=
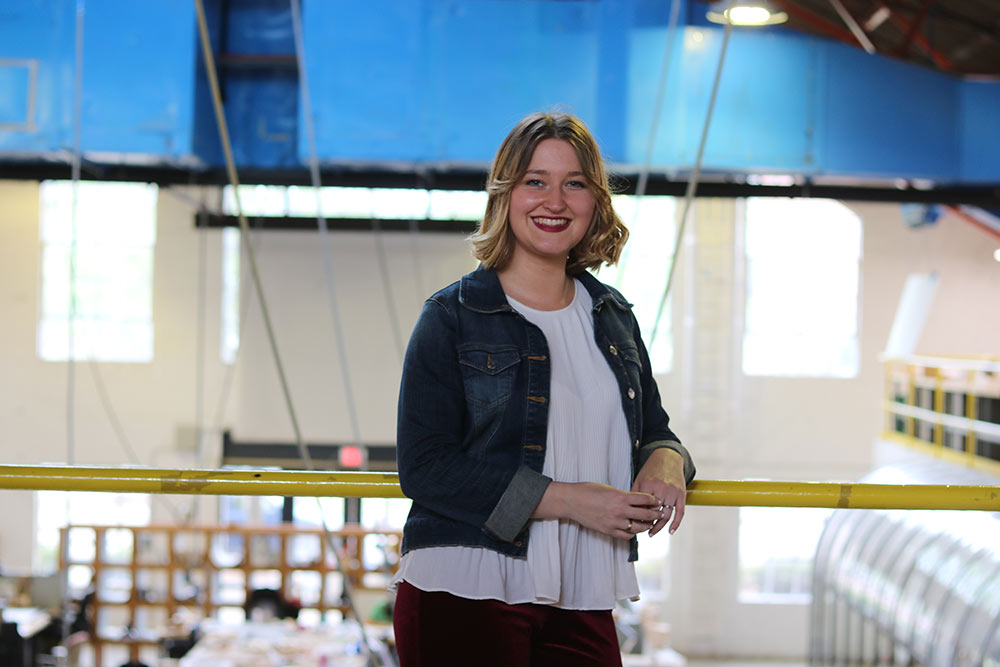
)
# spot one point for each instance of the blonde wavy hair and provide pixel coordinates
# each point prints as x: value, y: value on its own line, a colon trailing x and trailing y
x: 493, y: 241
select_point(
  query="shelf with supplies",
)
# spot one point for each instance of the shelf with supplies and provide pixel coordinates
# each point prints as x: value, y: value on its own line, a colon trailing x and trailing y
x: 140, y: 579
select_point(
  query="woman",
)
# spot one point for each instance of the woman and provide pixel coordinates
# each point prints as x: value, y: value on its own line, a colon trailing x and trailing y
x: 530, y: 433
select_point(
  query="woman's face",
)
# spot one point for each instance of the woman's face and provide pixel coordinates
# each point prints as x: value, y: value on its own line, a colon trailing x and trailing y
x: 551, y: 206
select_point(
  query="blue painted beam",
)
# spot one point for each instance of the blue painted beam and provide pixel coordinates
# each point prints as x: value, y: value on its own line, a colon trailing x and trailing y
x: 36, y: 35
x: 415, y: 82
x: 979, y: 132
x: 441, y: 82
x: 138, y: 78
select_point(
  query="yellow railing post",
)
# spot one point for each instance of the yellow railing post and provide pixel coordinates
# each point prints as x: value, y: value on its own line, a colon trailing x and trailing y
x: 911, y: 399
x: 938, y: 407
x: 971, y: 413
x: 890, y: 383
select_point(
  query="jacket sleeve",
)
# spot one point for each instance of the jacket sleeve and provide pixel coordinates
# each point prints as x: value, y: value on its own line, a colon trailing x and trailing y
x: 656, y: 433
x: 434, y: 471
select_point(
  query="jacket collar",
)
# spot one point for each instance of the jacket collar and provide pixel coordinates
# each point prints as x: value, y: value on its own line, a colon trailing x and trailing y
x: 481, y: 291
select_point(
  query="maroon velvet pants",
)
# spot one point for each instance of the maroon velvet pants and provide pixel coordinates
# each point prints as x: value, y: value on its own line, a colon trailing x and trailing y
x: 441, y: 630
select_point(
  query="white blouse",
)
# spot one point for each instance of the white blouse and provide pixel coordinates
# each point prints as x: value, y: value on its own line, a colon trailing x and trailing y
x: 567, y: 565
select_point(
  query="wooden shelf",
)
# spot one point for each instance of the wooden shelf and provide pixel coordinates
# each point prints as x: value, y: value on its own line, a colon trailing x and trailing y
x: 143, y: 575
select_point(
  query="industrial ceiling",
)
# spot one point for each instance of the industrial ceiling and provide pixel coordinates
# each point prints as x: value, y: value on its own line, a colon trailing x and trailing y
x: 418, y: 92
x: 959, y: 37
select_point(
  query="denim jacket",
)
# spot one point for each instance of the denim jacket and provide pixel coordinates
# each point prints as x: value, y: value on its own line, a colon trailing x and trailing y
x: 473, y: 413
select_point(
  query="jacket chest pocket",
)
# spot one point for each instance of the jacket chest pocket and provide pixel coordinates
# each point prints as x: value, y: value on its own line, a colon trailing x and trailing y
x: 488, y: 374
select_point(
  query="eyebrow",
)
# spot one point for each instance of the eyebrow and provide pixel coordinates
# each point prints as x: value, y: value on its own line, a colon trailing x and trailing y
x: 545, y: 172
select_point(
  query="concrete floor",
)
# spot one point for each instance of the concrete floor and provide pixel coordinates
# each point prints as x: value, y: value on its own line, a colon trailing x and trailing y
x: 668, y: 658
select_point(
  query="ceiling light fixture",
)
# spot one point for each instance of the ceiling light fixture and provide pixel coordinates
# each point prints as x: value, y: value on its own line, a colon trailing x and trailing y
x: 745, y: 13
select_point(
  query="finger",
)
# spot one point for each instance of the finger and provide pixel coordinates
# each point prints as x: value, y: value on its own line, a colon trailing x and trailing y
x: 678, y: 516
x: 634, y: 526
x: 668, y: 511
x: 640, y: 499
x: 639, y: 526
x: 648, y: 516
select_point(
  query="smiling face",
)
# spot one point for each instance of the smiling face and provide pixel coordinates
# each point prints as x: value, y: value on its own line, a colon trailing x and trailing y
x: 551, y: 207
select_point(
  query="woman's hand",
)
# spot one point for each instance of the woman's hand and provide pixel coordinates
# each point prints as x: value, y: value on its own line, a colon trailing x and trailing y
x: 613, y: 512
x: 663, y: 478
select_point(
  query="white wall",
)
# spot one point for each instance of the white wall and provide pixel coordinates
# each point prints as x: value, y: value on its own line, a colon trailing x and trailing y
x: 156, y: 402
x: 737, y: 427
x: 795, y: 428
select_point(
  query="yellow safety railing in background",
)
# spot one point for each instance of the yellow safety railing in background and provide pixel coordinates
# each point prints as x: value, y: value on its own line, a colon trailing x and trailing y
x: 386, y: 485
x: 932, y: 405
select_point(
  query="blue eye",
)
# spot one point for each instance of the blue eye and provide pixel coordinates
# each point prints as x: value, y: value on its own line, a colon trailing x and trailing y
x: 577, y: 184
x: 533, y: 182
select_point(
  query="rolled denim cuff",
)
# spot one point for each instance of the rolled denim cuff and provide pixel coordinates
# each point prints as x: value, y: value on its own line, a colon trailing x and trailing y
x: 646, y: 451
x: 516, y: 504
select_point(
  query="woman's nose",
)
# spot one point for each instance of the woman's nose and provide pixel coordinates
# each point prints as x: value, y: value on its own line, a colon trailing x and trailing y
x: 555, y: 201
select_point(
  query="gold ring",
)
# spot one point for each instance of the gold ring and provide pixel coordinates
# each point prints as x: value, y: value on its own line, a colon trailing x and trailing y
x: 628, y: 528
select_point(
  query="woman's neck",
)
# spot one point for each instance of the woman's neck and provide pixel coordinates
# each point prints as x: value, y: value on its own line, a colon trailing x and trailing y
x: 538, y: 285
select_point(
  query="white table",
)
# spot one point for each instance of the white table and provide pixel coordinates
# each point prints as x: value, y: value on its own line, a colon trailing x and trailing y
x: 276, y: 644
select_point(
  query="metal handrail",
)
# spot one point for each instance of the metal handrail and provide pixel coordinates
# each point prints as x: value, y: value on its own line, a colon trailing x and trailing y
x: 989, y: 364
x: 386, y: 485
x: 970, y: 378
x: 951, y: 421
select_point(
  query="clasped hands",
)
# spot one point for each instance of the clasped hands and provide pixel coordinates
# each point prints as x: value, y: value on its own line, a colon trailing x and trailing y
x: 655, y: 500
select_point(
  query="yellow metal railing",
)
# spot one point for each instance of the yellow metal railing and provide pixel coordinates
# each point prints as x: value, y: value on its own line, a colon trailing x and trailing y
x: 932, y: 404
x: 386, y: 485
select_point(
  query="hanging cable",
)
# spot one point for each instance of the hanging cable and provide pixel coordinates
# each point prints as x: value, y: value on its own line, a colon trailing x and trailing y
x: 390, y: 300
x: 323, y: 230
x: 248, y: 247
x: 414, y: 233
x: 227, y: 381
x: 200, y: 318
x: 74, y: 205
x: 220, y: 118
x: 334, y: 311
x: 692, y: 181
x: 654, y: 128
x: 199, y: 377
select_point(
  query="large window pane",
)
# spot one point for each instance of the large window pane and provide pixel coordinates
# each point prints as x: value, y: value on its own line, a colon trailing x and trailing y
x: 803, y: 262
x: 341, y: 202
x: 641, y: 273
x: 229, y: 340
x: 776, y: 550
x: 110, y: 287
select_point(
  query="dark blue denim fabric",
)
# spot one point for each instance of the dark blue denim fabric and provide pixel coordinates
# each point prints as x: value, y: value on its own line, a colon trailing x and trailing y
x: 473, y: 412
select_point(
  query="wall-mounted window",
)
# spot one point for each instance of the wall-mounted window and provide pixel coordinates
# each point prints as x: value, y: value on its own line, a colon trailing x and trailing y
x: 802, y: 274
x: 229, y: 340
x: 100, y: 269
x: 641, y: 273
x: 340, y: 202
x: 776, y: 550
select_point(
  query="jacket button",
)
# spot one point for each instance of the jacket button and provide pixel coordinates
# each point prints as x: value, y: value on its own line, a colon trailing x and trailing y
x: 631, y: 392
x: 518, y: 543
x: 613, y: 350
